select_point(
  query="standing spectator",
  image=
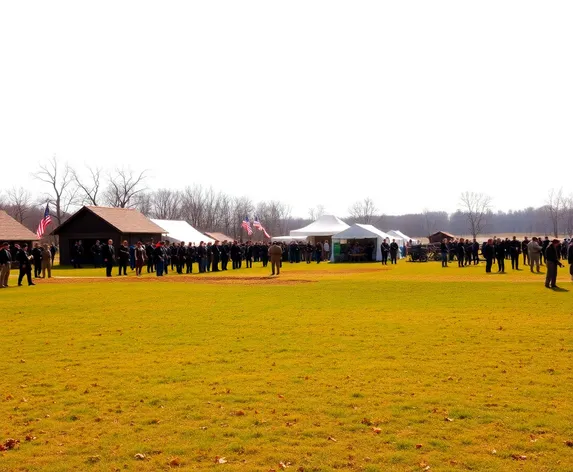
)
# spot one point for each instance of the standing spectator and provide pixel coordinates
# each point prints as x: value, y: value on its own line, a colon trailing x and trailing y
x: 489, y: 253
x: 108, y: 255
x: 524, y: 251
x: 5, y: 264
x: 77, y: 255
x: 394, y: 252
x: 53, y: 251
x: 515, y: 250
x: 159, y: 258
x: 552, y: 261
x: 123, y: 258
x: 96, y: 254
x: 534, y: 254
x: 140, y: 257
x: 318, y: 252
x: 443, y: 252
x: 46, y: 262
x: 275, y: 254
x: 37, y: 256
x: 326, y: 250
x: 544, y: 247
x: 24, y: 259
x: 216, y: 251
x: 500, y: 255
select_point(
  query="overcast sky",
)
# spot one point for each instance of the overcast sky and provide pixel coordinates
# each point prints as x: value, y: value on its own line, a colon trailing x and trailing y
x: 309, y: 102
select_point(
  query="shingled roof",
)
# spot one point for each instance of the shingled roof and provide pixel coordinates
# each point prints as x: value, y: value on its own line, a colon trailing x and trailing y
x: 219, y: 237
x: 125, y: 220
x: 11, y: 230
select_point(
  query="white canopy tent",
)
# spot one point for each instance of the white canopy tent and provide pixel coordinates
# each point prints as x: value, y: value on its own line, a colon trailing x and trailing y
x: 288, y: 239
x: 326, y: 225
x: 400, y: 237
x: 359, y: 231
x: 179, y: 230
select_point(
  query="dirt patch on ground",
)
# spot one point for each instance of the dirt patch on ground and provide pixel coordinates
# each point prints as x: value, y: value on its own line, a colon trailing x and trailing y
x: 192, y: 279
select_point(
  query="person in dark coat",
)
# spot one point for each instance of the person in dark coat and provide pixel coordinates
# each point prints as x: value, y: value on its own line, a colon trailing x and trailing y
x: 444, y: 252
x: 461, y: 251
x: 24, y: 259
x: 159, y: 258
x: 235, y: 254
x: 37, y: 256
x: 123, y: 258
x: 216, y: 251
x: 5, y: 264
x: 53, y: 252
x: 202, y: 257
x: 552, y: 260
x: 149, y: 250
x: 488, y: 252
x: 249, y: 255
x: 394, y: 248
x: 224, y: 255
x: 77, y: 255
x: 96, y: 254
x: 515, y: 251
x: 190, y: 258
x: 385, y: 249
x: 500, y: 255
x: 181, y: 257
x: 108, y: 256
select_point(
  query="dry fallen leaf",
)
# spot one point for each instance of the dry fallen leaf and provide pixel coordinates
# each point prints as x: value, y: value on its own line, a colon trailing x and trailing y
x: 240, y: 413
x: 175, y: 462
x: 418, y: 446
x: 518, y: 457
x: 220, y: 460
x: 29, y: 437
x: 11, y: 443
x: 569, y: 443
x: 139, y: 456
x: 330, y: 438
x: 94, y: 459
x: 494, y: 451
x: 367, y: 422
x: 281, y: 396
x: 377, y: 430
x: 448, y: 419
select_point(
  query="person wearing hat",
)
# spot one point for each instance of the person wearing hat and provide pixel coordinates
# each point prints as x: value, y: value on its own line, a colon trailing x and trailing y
x: 108, y: 255
x: 552, y: 261
x: 5, y: 264
x: 23, y: 259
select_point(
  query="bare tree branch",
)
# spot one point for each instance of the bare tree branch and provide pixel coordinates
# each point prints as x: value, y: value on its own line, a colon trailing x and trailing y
x: 90, y: 187
x: 123, y: 187
x: 19, y: 201
x: 475, y: 207
x: 556, y: 207
x: 62, y: 194
x: 363, y: 211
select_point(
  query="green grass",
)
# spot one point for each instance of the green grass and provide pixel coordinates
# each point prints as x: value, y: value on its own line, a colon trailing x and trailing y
x: 299, y: 370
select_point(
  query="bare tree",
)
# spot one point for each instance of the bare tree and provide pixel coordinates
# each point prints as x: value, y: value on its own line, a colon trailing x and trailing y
x: 316, y: 212
x: 242, y: 207
x: 475, y: 208
x: 89, y: 187
x: 363, y: 211
x: 429, y: 223
x: 123, y: 187
x: 144, y: 203
x: 166, y: 204
x: 19, y: 203
x: 63, y: 193
x: 556, y: 207
x: 569, y: 216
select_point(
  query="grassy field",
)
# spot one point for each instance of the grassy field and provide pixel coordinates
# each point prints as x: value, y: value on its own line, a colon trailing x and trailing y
x: 329, y: 367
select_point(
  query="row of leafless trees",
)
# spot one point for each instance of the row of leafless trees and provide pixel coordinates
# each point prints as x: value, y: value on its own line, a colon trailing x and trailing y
x: 211, y: 210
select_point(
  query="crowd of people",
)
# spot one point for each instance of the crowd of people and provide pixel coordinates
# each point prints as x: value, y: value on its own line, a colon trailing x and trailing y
x: 535, y: 253
x: 163, y: 256
x: 40, y: 258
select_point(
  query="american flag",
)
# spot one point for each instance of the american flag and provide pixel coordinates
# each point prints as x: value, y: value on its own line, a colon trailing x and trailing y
x: 247, y: 226
x: 266, y: 234
x: 257, y: 224
x: 46, y: 220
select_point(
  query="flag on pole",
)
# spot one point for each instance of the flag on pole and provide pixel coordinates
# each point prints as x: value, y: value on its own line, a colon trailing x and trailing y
x: 266, y: 234
x: 257, y: 224
x: 247, y: 226
x: 46, y: 220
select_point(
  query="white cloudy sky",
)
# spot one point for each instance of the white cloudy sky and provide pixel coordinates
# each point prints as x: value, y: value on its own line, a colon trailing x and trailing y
x: 310, y: 102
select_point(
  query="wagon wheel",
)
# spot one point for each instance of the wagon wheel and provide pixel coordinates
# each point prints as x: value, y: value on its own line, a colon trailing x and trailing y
x: 423, y: 258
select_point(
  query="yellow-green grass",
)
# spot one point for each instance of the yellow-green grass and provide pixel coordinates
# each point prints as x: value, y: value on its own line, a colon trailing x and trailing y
x: 298, y: 370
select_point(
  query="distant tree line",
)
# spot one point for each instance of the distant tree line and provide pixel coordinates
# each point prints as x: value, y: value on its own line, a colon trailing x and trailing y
x: 210, y: 210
